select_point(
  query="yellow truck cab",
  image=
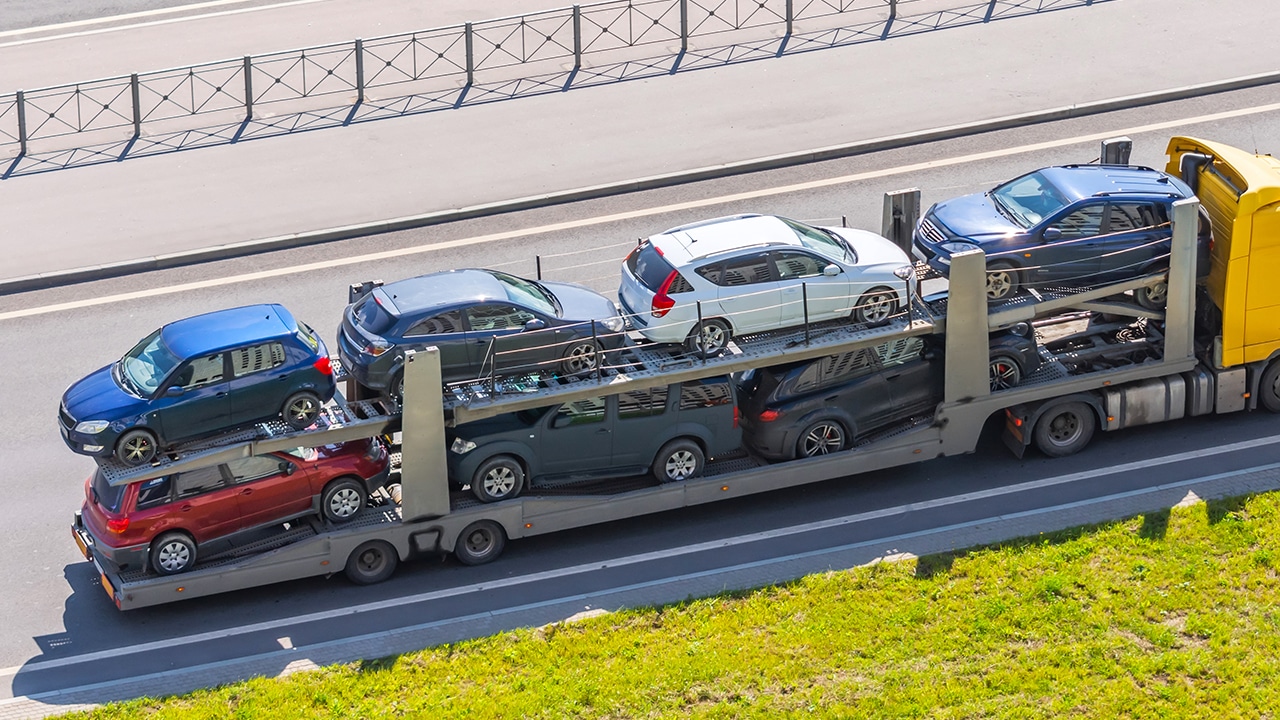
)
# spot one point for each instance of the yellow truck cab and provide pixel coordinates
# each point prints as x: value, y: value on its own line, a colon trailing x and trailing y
x: 1240, y: 193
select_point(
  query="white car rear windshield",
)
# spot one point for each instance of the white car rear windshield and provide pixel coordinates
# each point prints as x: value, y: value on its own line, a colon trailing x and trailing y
x: 649, y: 267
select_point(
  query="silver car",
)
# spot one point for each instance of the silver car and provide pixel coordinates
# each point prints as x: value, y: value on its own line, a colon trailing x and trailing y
x: 752, y: 273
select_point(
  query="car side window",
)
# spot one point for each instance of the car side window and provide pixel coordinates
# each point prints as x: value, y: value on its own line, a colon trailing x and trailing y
x: 199, y: 372
x: 749, y: 270
x: 705, y: 393
x: 200, y: 480
x: 256, y: 358
x: 154, y: 492
x: 836, y: 369
x: 900, y: 352
x: 713, y: 272
x: 444, y: 323
x: 580, y: 412
x: 253, y: 468
x: 791, y: 264
x: 642, y: 403
x: 498, y: 317
x: 1085, y: 222
x: 1127, y: 217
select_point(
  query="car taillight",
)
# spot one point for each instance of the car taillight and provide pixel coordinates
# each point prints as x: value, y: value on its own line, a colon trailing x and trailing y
x: 376, y: 451
x: 770, y: 415
x: 118, y: 525
x: 323, y: 366
x: 735, y: 416
x: 662, y: 303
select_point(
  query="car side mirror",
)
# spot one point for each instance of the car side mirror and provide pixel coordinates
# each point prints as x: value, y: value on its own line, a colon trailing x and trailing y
x: 535, y: 324
x: 1051, y: 234
x: 175, y: 391
x: 831, y: 270
x: 287, y: 467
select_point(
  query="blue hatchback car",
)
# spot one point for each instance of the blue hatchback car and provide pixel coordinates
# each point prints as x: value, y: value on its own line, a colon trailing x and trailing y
x: 197, y: 377
x: 1067, y: 226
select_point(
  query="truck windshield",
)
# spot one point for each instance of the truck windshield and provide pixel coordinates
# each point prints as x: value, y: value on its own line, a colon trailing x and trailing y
x: 1028, y: 200
x: 145, y: 366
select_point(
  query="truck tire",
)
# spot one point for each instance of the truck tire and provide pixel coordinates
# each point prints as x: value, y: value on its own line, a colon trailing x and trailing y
x: 1065, y: 429
x: 1269, y: 389
x: 480, y: 542
x: 371, y: 562
x: 499, y: 478
x: 678, y: 460
x: 342, y: 500
x: 172, y: 553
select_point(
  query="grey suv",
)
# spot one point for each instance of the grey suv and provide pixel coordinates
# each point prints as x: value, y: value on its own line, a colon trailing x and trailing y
x: 670, y: 431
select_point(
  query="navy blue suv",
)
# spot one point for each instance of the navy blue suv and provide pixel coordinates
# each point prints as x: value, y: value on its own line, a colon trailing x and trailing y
x: 1068, y: 226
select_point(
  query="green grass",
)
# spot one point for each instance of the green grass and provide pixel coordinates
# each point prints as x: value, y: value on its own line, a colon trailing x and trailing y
x: 1170, y: 615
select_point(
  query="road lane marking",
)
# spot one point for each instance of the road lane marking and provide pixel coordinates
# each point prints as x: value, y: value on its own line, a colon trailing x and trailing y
x: 639, y: 558
x: 630, y: 215
x: 138, y: 15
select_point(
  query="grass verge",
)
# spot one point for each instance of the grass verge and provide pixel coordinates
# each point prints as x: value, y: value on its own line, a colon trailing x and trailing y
x: 1168, y: 615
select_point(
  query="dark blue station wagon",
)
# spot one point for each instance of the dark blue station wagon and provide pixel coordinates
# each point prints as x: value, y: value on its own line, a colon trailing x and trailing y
x: 196, y: 377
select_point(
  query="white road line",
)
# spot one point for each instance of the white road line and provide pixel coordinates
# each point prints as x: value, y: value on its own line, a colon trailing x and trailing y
x: 634, y: 214
x: 657, y: 555
x: 138, y: 15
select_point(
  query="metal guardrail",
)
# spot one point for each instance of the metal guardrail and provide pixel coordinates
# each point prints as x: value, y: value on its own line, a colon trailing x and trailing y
x: 451, y: 56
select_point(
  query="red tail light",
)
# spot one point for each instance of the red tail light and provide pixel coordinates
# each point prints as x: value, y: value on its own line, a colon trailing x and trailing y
x: 735, y: 416
x: 323, y: 366
x: 662, y: 303
x: 770, y: 415
x: 118, y: 525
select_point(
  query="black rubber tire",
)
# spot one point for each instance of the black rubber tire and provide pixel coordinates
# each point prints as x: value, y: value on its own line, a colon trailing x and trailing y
x: 395, y: 388
x: 715, y: 332
x: 1153, y: 298
x: 342, y: 499
x: 1269, y: 389
x: 301, y: 410
x: 1002, y: 286
x: 136, y: 447
x: 501, y: 477
x: 876, y: 307
x: 371, y: 562
x: 1065, y: 430
x: 480, y: 542
x: 173, y: 553
x: 581, y: 357
x: 1004, y: 372
x: 679, y: 460
x: 822, y: 438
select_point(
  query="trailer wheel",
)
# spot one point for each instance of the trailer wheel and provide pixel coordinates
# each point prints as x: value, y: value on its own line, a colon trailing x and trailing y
x: 678, y: 460
x: 136, y: 447
x: 173, y: 553
x: 1065, y: 430
x: 342, y: 500
x: 371, y: 562
x: 301, y: 410
x: 482, y: 541
x: 498, y: 478
x: 1004, y: 372
x: 1269, y: 390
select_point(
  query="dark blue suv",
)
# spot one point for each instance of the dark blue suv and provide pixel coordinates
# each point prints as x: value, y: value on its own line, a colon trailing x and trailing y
x: 199, y: 376
x: 1068, y: 226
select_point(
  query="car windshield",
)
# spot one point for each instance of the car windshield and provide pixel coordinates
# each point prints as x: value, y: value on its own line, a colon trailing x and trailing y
x: 1028, y: 200
x: 820, y: 241
x: 528, y: 293
x: 146, y: 365
x: 107, y: 497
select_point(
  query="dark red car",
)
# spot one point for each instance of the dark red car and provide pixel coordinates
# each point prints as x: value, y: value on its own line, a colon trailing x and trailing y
x: 167, y: 522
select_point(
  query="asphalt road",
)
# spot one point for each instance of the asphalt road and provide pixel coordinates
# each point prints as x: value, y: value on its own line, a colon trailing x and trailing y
x: 50, y: 338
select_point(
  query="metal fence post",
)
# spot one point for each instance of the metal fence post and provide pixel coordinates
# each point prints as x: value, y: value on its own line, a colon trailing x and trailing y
x: 577, y: 37
x: 791, y: 16
x: 471, y: 56
x: 537, y: 260
x: 595, y: 350
x: 359, y: 70
x: 248, y: 87
x: 893, y: 10
x: 701, y: 344
x: 22, y: 122
x: 804, y: 298
x: 137, y: 105
x: 684, y: 25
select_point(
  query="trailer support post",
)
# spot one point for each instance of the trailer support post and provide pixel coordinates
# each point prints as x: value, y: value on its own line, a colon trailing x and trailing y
x: 1180, y: 310
x: 423, y: 473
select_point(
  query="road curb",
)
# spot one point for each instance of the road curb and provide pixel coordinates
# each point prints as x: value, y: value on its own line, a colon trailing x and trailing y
x: 90, y: 273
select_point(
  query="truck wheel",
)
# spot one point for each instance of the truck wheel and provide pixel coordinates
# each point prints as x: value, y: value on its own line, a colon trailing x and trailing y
x: 498, y: 478
x: 136, y: 447
x: 482, y: 541
x: 821, y: 438
x: 173, y: 553
x: 678, y: 460
x: 371, y: 562
x: 1269, y: 390
x: 342, y: 500
x: 1065, y: 430
x: 1002, y: 280
x: 1004, y: 372
x: 301, y: 410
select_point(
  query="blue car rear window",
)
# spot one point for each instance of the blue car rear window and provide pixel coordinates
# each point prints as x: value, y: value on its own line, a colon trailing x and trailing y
x: 373, y: 317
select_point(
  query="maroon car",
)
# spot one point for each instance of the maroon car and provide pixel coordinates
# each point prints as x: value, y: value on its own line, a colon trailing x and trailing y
x: 167, y: 522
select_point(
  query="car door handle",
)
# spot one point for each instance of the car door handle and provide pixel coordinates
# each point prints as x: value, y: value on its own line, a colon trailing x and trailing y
x: 790, y: 290
x: 283, y: 377
x: 894, y: 376
x: 220, y: 394
x: 186, y: 508
x: 247, y: 491
x: 602, y: 431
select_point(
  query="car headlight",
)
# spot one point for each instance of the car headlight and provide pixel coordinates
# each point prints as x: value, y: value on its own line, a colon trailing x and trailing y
x: 952, y: 248
x: 613, y: 324
x: 92, y: 427
x: 462, y: 447
x: 904, y: 272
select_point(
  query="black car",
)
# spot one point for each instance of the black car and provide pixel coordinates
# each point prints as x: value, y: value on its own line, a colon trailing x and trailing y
x: 670, y: 431
x: 482, y: 321
x: 821, y: 406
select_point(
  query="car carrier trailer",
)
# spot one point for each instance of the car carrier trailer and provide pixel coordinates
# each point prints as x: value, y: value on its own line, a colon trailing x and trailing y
x: 429, y: 519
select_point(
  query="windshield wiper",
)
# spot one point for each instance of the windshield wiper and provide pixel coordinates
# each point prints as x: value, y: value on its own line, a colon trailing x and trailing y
x: 555, y: 301
x: 1006, y: 211
x: 123, y: 378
